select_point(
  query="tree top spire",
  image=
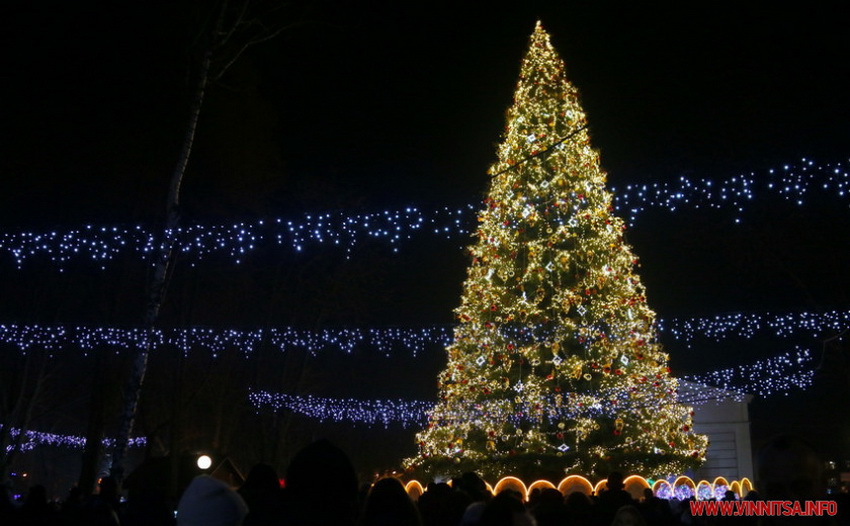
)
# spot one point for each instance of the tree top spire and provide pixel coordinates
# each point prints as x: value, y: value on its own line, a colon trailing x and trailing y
x: 540, y: 36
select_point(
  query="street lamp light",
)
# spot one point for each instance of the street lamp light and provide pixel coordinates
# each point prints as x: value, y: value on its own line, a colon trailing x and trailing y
x: 204, y: 462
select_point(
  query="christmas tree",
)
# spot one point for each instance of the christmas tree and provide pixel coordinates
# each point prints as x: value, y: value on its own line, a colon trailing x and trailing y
x: 554, y: 367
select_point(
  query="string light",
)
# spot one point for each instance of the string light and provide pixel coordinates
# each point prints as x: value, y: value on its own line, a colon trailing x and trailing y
x: 749, y: 325
x: 33, y: 439
x: 386, y: 340
x: 778, y: 375
x: 790, y: 182
x: 196, y: 243
x: 345, y: 409
x: 54, y: 339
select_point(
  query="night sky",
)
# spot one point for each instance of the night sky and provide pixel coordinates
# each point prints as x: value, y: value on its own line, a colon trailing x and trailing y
x: 366, y: 106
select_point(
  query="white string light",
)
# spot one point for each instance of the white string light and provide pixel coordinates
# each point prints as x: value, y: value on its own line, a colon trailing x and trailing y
x: 778, y: 375
x: 345, y: 409
x: 102, y: 244
x: 387, y: 339
x: 791, y: 182
x: 54, y: 339
x: 33, y: 439
x: 750, y: 325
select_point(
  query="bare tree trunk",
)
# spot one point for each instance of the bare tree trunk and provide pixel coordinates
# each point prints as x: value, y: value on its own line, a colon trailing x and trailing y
x: 162, y: 270
x: 94, y: 435
x: 219, y: 36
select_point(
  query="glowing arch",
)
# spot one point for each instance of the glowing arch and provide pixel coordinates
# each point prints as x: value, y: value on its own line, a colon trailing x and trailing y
x: 539, y: 484
x: 511, y: 483
x: 662, y: 489
x: 720, y: 481
x: 687, y: 485
x: 635, y: 484
x: 704, y: 490
x: 414, y: 489
x: 736, y: 487
x: 719, y: 487
x: 600, y: 486
x: 685, y: 480
x: 575, y: 483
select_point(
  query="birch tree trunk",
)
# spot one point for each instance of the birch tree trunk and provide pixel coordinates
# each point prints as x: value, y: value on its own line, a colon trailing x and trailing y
x: 163, y: 267
x: 232, y: 24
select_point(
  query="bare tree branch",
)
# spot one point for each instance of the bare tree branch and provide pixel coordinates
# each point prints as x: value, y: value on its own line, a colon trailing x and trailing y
x: 249, y: 44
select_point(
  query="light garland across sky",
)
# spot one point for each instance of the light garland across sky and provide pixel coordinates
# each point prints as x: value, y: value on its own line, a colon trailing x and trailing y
x: 749, y: 325
x: 387, y: 339
x: 777, y: 375
x: 102, y: 244
x: 369, y: 412
x: 792, y: 182
x: 781, y: 374
x: 195, y: 243
x: 33, y: 439
x: 56, y: 339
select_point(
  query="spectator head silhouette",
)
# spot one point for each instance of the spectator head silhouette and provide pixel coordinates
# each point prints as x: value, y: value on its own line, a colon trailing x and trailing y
x: 389, y: 505
x: 505, y: 509
x: 615, y: 481
x: 321, y: 467
x: 321, y: 483
x: 210, y: 502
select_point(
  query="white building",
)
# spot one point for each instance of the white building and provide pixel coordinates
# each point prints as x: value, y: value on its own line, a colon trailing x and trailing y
x: 724, y: 417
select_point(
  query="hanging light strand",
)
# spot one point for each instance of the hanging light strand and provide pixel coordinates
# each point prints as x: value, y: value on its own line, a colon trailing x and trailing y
x: 33, y: 439
x: 235, y: 242
x: 387, y: 340
x: 781, y: 374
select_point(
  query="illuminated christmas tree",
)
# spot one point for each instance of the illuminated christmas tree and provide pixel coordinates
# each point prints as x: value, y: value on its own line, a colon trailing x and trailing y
x: 554, y: 367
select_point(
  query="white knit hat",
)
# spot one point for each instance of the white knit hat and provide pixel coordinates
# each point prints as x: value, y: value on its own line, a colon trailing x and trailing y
x: 210, y: 502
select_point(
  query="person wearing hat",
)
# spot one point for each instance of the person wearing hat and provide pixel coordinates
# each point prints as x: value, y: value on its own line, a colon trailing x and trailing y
x: 210, y: 502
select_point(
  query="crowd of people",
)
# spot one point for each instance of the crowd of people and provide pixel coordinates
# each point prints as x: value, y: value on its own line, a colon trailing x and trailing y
x: 321, y: 489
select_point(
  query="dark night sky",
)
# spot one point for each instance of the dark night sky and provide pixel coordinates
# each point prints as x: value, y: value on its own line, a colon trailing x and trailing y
x: 372, y: 105
x: 401, y: 103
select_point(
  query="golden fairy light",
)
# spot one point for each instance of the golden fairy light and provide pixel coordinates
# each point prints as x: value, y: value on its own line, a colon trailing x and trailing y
x: 555, y: 364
